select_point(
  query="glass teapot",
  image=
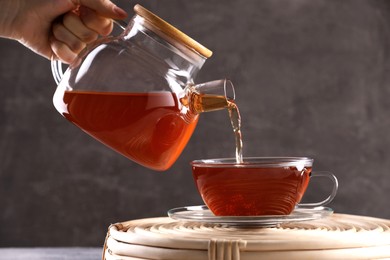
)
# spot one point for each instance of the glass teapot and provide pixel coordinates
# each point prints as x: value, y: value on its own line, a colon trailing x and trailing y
x: 135, y: 92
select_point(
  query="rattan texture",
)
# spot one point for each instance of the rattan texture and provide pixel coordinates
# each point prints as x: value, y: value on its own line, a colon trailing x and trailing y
x: 339, y: 236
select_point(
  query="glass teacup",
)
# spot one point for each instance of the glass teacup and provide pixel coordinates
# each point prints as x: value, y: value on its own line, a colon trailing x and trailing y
x: 258, y: 186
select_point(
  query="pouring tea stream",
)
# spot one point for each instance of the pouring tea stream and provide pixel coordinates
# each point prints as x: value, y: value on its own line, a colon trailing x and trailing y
x: 135, y: 92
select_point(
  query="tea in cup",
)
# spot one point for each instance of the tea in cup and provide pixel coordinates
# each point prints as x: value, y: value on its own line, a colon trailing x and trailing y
x: 258, y: 186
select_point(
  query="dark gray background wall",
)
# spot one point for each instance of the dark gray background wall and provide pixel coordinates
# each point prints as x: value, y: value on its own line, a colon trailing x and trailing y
x: 312, y: 79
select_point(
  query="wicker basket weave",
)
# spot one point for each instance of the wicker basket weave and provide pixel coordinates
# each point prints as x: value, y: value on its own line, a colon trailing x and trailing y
x: 339, y: 236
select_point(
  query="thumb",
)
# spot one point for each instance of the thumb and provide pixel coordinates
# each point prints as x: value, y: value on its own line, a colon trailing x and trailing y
x: 104, y: 8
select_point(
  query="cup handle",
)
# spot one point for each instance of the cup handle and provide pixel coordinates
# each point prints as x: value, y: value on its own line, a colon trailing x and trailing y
x: 56, y: 65
x: 326, y: 201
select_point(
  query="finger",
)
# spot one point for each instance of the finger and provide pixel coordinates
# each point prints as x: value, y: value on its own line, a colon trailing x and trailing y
x: 95, y: 22
x: 104, y: 8
x: 73, y: 23
x: 62, y: 51
x: 62, y: 34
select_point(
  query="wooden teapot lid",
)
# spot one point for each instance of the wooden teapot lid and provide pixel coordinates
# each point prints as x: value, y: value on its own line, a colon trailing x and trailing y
x: 172, y: 31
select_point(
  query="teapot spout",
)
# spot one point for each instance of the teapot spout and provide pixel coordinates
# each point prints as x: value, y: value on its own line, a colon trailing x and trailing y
x: 210, y: 96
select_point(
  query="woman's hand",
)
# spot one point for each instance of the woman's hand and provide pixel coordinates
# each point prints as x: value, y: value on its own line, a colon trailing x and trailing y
x: 59, y: 28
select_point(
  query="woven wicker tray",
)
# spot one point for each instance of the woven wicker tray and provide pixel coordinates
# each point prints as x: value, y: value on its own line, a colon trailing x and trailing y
x: 339, y: 236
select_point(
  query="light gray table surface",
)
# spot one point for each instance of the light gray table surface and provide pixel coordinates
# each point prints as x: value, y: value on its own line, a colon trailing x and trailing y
x: 58, y: 253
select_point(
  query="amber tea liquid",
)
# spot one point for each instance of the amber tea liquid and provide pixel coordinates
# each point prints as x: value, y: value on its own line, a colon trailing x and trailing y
x: 246, y: 191
x: 148, y: 128
x: 204, y: 102
x: 235, y: 120
x: 145, y: 127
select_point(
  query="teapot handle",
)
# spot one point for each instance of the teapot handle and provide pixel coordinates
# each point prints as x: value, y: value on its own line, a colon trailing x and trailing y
x: 56, y: 65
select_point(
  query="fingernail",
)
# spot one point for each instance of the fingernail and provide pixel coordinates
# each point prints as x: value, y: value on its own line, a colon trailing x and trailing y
x: 119, y: 11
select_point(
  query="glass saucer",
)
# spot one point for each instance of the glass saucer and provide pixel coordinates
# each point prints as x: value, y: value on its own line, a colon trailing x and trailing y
x: 203, y: 215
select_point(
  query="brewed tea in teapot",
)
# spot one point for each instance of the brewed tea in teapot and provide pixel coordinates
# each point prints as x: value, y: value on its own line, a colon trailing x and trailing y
x: 135, y: 92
